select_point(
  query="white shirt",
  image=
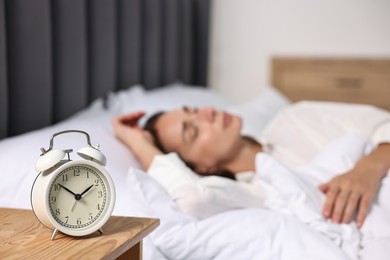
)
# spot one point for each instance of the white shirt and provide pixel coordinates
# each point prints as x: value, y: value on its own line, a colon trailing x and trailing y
x: 293, y: 138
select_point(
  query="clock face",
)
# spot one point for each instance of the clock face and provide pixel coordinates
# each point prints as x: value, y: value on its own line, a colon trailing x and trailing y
x: 78, y: 196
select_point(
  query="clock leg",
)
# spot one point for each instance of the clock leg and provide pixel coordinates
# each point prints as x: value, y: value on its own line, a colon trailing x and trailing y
x: 101, y: 231
x: 54, y: 234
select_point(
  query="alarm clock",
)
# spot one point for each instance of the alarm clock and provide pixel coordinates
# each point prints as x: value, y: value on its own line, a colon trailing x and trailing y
x: 75, y: 197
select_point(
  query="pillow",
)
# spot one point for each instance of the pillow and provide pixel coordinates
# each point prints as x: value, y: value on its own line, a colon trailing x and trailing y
x: 257, y: 112
x: 166, y: 98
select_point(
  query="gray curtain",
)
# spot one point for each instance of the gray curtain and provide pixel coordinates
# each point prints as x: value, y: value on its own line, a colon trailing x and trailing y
x: 56, y: 56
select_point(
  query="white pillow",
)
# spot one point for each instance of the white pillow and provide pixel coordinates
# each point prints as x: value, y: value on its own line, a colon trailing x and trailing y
x: 169, y: 97
x: 257, y: 112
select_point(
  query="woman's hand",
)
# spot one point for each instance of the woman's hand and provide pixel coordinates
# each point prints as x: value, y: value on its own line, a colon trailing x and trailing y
x: 140, y: 141
x: 354, y: 191
x: 348, y: 193
x: 128, y: 131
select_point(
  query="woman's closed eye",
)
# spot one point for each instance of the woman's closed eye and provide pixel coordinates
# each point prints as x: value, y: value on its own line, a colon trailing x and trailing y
x: 190, y: 131
x: 189, y: 110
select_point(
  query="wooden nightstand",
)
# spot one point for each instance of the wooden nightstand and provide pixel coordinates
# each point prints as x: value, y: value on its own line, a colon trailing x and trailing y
x: 22, y: 236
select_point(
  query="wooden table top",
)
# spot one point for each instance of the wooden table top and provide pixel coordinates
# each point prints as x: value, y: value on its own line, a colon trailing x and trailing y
x: 21, y: 235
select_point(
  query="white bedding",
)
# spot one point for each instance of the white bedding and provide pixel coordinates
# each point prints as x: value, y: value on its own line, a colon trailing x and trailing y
x: 18, y: 154
x: 238, y: 234
x: 291, y: 226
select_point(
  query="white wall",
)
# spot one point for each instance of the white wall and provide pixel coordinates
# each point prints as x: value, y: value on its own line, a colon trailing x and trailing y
x: 245, y: 34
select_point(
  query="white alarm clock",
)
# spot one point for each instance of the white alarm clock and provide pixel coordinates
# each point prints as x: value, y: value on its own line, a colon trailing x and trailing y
x: 75, y: 197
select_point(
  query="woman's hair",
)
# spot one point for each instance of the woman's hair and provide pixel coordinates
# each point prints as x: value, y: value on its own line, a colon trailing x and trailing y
x: 150, y: 126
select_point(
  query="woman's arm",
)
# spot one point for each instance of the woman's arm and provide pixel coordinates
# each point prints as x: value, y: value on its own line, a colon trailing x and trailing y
x: 201, y: 197
x: 137, y: 139
x: 355, y: 190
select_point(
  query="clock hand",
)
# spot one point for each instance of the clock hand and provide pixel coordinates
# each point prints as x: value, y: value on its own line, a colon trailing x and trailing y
x: 68, y: 190
x: 87, y: 189
x: 74, y: 204
x: 75, y: 195
x: 78, y: 196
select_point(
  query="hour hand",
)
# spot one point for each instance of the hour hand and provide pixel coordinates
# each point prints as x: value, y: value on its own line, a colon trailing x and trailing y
x: 87, y: 189
x: 68, y: 190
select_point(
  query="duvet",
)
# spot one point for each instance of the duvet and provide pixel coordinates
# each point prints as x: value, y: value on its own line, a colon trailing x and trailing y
x: 290, y: 226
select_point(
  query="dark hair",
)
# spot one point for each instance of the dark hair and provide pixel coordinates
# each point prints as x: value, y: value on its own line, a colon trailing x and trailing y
x: 150, y: 126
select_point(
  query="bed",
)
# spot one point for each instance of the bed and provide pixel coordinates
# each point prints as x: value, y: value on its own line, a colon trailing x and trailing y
x: 113, y: 57
x: 260, y: 234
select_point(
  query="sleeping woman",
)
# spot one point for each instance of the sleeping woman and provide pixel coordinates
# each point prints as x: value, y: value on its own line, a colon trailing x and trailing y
x: 210, y: 142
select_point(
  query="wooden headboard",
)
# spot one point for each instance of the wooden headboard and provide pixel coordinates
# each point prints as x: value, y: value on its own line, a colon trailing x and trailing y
x: 57, y: 56
x: 331, y: 79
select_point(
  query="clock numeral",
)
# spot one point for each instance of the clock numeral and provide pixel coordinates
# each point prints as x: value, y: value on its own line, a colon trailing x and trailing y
x: 58, y: 212
x: 65, y: 177
x: 57, y: 187
x: 100, y: 194
x: 78, y: 221
x: 87, y: 175
x: 90, y: 216
x: 53, y: 200
x: 67, y: 219
x: 96, y: 182
x: 76, y: 172
x: 98, y: 206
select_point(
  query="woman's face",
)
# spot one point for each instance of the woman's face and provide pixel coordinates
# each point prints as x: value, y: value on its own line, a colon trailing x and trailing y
x: 204, y: 137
